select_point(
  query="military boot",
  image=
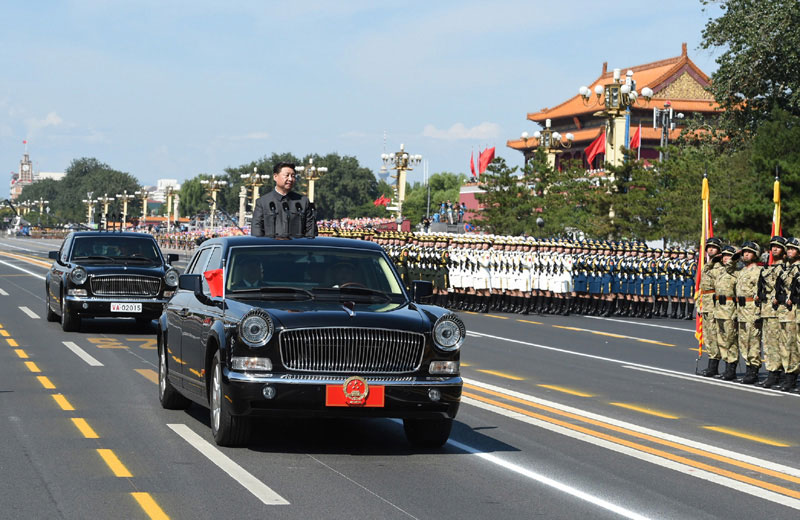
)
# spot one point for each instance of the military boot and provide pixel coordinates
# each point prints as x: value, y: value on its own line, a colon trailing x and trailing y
x: 751, y: 377
x: 674, y: 310
x: 772, y: 379
x: 712, y: 369
x: 689, y: 311
x: 567, y: 305
x: 730, y: 371
x: 789, y: 382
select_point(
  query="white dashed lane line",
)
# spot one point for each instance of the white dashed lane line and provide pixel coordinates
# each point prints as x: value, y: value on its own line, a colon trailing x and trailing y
x: 91, y: 361
x: 29, y: 313
x: 3, y: 293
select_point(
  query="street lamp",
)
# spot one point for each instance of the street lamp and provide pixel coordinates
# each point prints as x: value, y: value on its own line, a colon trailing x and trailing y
x: 212, y: 187
x: 125, y: 197
x: 41, y: 202
x: 312, y: 173
x: 254, y: 180
x: 551, y: 141
x: 663, y: 119
x: 616, y: 98
x: 403, y: 162
x: 90, y: 202
x: 105, y: 200
x: 144, y: 195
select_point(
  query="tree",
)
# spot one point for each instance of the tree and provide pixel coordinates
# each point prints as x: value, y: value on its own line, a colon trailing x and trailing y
x: 346, y: 189
x: 444, y: 186
x: 507, y: 201
x: 759, y: 68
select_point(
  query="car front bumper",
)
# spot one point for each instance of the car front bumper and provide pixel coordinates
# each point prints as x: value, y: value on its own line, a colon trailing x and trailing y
x: 305, y: 396
x: 94, y: 306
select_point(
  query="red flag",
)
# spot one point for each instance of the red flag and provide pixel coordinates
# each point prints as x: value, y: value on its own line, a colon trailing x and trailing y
x: 215, y: 281
x: 597, y: 147
x: 382, y: 201
x: 706, y: 232
x: 484, y: 159
x: 472, y: 163
x: 636, y: 140
x: 25, y: 141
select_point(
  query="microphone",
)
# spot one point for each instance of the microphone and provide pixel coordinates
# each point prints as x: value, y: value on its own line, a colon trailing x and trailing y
x: 272, y: 206
x: 298, y: 207
x: 285, y: 206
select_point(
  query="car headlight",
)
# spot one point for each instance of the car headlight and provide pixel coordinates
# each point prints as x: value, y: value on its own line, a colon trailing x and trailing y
x: 449, y: 332
x: 256, y: 328
x: 171, y: 277
x: 78, y: 276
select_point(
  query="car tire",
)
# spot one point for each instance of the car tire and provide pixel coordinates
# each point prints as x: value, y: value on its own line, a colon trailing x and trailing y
x: 51, y: 316
x: 227, y: 429
x: 169, y: 397
x: 427, y: 433
x: 69, y: 321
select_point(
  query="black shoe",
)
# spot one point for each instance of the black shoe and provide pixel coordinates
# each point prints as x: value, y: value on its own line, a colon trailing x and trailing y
x: 788, y: 384
x: 712, y: 369
x: 772, y: 379
x: 751, y: 376
x: 730, y: 371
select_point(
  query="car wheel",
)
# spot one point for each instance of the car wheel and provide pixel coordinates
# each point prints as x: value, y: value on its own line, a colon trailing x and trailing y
x: 427, y: 433
x: 69, y: 322
x: 169, y: 397
x: 228, y: 430
x: 51, y: 316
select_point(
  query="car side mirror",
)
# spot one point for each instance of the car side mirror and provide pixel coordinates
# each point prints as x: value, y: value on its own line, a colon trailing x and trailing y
x: 421, y: 289
x: 52, y: 255
x: 191, y: 282
x: 172, y: 257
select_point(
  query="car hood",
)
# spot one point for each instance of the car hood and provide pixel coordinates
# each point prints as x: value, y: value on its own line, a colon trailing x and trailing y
x: 124, y: 269
x: 294, y: 315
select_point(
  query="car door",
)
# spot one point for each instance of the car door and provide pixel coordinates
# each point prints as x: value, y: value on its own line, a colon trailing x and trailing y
x: 57, y: 272
x: 196, y: 324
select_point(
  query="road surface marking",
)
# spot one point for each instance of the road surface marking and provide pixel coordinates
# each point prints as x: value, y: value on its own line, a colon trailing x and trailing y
x: 547, y: 481
x: 114, y: 464
x: 531, y: 322
x: 21, y: 353
x: 91, y: 361
x: 239, y: 474
x: 733, y: 458
x: 566, y: 390
x: 106, y: 343
x: 634, y: 338
x: 654, y: 342
x: 29, y: 313
x: 23, y: 270
x: 640, y: 323
x: 84, y: 428
x: 568, y: 328
x: 63, y: 403
x: 495, y: 316
x: 710, y: 381
x: 32, y: 367
x: 3, y: 293
x: 148, y: 373
x: 642, y: 409
x: 501, y: 374
x: 46, y: 383
x: 11, y: 342
x: 747, y: 436
x: 4, y: 333
x: 26, y: 258
x: 147, y: 343
x: 149, y: 506
x: 609, y: 334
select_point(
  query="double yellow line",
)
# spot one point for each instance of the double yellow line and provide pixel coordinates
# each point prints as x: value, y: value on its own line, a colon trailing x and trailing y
x: 144, y: 500
x: 598, y: 429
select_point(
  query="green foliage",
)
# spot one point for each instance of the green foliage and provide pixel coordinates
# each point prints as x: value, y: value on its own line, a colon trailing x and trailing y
x: 508, y: 203
x: 759, y: 68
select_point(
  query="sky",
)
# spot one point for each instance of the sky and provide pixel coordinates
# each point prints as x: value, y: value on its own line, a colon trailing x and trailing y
x: 172, y: 89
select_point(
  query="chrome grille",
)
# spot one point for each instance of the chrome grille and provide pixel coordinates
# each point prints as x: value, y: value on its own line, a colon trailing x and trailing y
x: 351, y: 350
x: 125, y: 285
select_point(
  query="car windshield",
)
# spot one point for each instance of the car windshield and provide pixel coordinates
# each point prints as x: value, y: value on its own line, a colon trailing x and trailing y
x: 111, y: 248
x: 325, y: 272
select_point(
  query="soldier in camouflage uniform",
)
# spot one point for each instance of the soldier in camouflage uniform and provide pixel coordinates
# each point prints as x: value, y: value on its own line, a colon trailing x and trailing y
x: 790, y: 357
x: 707, y: 280
x: 725, y: 312
x: 748, y: 312
x: 768, y: 296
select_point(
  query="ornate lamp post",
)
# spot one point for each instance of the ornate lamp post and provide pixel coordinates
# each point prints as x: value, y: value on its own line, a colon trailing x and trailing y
x: 90, y: 202
x: 254, y: 181
x: 169, y: 194
x: 663, y: 119
x: 125, y: 197
x: 402, y: 162
x: 617, y: 98
x: 41, y: 202
x: 143, y: 195
x: 550, y: 141
x: 212, y: 187
x: 105, y: 200
x: 313, y: 174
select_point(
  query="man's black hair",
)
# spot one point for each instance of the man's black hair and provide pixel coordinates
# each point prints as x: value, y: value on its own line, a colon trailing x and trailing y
x: 277, y: 168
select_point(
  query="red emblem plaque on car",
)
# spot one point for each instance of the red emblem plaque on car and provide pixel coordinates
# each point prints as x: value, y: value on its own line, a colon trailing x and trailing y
x: 354, y: 392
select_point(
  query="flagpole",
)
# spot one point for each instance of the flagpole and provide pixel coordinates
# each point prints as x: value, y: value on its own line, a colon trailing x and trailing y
x: 698, y: 297
x: 639, y: 149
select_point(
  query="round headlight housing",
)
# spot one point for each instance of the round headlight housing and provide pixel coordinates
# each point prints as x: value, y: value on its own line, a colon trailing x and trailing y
x: 256, y: 328
x: 171, y: 277
x: 78, y: 276
x: 449, y: 333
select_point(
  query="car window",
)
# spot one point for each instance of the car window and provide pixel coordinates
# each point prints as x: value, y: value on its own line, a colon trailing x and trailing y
x: 214, y: 259
x: 115, y: 247
x: 63, y: 253
x: 200, y: 261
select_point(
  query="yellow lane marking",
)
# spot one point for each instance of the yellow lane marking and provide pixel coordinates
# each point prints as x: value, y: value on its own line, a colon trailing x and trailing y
x: 762, y: 440
x: 106, y: 343
x: 4, y: 333
x: 470, y: 312
x: 46, y: 383
x: 608, y: 334
x: 501, y: 374
x: 12, y: 342
x: 566, y: 390
x: 654, y: 342
x: 498, y: 317
x: 533, y: 322
x: 569, y: 328
x: 642, y: 409
x: 149, y: 506
x: 21, y: 353
x: 148, y: 373
x: 695, y: 349
x: 26, y: 258
x: 578, y: 329
x: 32, y: 367
x: 117, y: 467
x: 62, y: 402
x: 635, y: 434
x: 466, y: 365
x: 147, y: 343
x: 84, y: 428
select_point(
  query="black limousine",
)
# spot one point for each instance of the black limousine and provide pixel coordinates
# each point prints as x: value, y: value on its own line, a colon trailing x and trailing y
x: 312, y: 327
x: 101, y: 274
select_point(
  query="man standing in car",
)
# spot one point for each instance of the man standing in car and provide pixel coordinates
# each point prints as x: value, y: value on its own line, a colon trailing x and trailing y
x: 283, y: 213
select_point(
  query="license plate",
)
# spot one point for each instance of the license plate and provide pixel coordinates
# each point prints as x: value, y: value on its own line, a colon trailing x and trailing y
x: 126, y: 307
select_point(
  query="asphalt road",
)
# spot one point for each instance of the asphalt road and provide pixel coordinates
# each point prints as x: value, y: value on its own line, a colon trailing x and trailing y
x: 562, y: 417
